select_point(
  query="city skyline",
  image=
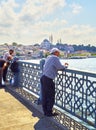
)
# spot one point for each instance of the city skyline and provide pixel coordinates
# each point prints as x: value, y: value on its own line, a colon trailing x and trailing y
x: 28, y: 21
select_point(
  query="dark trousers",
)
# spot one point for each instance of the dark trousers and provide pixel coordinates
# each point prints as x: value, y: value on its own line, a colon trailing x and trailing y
x: 48, y: 94
x: 1, y: 69
x: 1, y: 73
x: 5, y: 73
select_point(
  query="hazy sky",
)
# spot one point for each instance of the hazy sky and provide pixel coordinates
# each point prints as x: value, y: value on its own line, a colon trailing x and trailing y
x: 31, y: 21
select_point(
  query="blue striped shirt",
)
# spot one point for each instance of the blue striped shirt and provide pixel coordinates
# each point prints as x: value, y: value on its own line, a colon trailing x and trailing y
x: 51, y: 66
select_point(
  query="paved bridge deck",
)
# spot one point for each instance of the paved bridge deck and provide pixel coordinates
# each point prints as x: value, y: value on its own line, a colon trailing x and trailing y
x: 14, y: 115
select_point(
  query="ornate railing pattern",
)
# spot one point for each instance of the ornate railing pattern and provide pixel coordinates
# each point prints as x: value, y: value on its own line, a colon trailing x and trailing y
x: 30, y: 77
x: 75, y: 91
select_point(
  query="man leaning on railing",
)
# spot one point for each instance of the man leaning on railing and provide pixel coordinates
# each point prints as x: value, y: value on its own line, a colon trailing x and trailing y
x: 51, y: 66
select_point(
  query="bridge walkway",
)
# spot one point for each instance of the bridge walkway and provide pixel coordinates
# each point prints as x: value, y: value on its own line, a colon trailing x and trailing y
x: 15, y: 114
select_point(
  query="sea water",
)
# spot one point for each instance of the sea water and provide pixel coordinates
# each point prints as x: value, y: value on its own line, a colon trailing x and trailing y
x: 86, y: 64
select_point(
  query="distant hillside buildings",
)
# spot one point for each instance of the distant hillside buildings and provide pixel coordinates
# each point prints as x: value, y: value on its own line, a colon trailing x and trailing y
x: 42, y: 49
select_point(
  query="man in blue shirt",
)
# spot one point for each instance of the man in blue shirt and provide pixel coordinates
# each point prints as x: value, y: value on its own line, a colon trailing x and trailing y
x: 14, y: 66
x: 51, y: 67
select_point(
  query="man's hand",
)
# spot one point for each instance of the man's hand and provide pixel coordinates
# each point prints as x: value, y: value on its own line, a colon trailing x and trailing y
x: 66, y: 65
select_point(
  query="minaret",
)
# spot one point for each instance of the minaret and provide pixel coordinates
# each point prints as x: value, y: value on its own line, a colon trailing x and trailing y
x: 51, y: 38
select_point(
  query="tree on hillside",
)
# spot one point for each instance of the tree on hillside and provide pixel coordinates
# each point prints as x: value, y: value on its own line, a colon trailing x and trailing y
x: 14, y: 44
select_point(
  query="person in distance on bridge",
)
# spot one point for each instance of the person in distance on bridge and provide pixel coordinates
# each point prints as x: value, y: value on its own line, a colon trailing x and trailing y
x: 8, y: 56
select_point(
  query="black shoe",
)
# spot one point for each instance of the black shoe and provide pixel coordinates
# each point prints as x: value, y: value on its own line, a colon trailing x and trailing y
x: 51, y: 114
